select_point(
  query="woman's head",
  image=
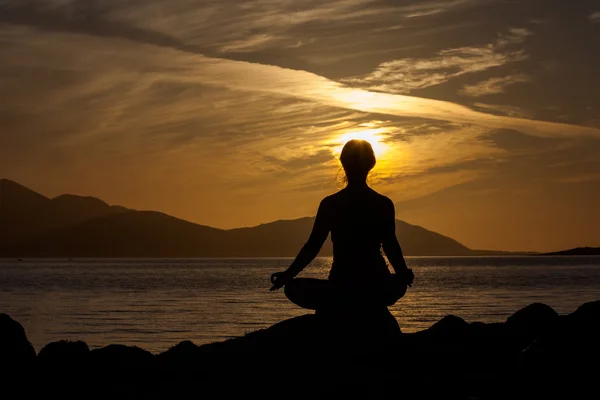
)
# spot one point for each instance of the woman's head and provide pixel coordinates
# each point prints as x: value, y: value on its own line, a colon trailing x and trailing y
x: 357, y: 158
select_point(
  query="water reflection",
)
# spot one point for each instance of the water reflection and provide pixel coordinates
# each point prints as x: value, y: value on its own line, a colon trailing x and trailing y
x: 158, y: 303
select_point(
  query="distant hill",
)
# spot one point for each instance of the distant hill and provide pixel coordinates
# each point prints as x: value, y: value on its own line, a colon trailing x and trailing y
x: 502, y: 253
x: 579, y: 251
x: 126, y: 234
x: 286, y: 237
x: 19, y: 211
x: 25, y: 213
x: 75, y: 226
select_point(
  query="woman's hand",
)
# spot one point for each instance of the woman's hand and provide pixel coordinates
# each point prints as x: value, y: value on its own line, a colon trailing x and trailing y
x: 279, y: 279
x: 409, y: 276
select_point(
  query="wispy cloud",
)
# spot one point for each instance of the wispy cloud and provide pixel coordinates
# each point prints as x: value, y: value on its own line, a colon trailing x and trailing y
x: 171, y: 65
x: 227, y: 26
x: 156, y: 110
x: 508, y: 110
x: 406, y: 75
x: 581, y: 178
x: 249, y: 44
x: 425, y: 13
x: 513, y: 36
x: 301, y: 84
x: 427, y: 8
x: 230, y: 25
x: 493, y: 85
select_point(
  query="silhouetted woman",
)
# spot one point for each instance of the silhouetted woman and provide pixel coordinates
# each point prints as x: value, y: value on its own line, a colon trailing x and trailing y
x: 361, y: 222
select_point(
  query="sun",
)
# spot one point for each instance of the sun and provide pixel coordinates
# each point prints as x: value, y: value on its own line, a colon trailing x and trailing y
x: 375, y: 136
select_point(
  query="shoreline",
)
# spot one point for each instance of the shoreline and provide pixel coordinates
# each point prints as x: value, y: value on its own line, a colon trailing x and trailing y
x: 461, y: 359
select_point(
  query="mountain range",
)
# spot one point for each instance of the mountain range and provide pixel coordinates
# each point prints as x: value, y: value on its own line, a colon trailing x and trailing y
x: 32, y: 225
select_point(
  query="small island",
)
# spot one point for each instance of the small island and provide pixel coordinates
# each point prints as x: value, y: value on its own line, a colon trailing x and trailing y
x: 578, y: 251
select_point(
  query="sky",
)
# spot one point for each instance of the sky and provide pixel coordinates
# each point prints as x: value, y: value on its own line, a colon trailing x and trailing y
x: 484, y: 114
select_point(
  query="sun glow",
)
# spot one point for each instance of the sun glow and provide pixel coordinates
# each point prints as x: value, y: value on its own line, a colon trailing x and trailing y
x: 375, y: 136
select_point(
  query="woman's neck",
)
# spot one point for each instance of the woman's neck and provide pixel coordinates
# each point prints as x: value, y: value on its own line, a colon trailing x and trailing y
x: 357, y: 184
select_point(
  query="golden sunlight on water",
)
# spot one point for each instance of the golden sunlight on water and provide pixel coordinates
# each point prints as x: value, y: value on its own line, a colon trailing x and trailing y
x: 157, y: 303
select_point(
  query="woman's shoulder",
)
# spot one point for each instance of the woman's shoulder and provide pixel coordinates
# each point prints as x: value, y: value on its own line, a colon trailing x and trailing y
x: 335, y: 199
x: 332, y: 198
x: 327, y: 200
x: 380, y: 197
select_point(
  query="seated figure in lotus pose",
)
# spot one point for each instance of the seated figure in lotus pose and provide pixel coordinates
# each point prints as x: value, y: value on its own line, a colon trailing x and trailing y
x: 361, y: 222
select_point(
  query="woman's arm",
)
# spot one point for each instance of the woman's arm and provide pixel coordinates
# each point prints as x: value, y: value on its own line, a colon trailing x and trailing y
x: 310, y: 249
x: 390, y: 244
x: 315, y: 241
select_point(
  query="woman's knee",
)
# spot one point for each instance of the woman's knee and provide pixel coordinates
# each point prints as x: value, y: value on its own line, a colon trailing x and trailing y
x: 292, y: 288
x: 306, y: 292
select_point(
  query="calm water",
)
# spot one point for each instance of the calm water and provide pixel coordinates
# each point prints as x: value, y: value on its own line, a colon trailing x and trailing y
x: 157, y: 303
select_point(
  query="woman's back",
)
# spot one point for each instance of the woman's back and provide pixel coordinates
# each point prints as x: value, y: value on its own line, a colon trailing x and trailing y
x: 359, y: 219
x: 361, y: 222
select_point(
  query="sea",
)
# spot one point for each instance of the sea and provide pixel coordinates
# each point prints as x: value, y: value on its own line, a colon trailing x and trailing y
x: 157, y: 303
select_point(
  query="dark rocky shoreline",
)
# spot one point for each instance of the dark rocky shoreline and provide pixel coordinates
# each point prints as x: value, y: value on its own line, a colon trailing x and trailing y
x: 536, y: 353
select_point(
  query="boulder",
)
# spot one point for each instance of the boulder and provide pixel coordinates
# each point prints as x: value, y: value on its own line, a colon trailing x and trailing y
x: 362, y: 330
x: 532, y: 321
x: 291, y: 334
x: 574, y: 337
x: 489, y: 340
x: 449, y: 326
x: 65, y: 353
x: 321, y: 333
x: 15, y: 349
x: 183, y: 355
x: 587, y: 314
x: 492, y: 331
x: 119, y: 357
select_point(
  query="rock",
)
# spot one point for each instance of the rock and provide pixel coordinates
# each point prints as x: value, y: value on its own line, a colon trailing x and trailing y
x: 183, y: 355
x: 559, y: 355
x: 450, y: 326
x: 489, y: 341
x: 494, y: 330
x: 366, y: 330
x: 357, y: 355
x: 65, y: 353
x: 532, y: 321
x: 448, y: 335
x: 587, y: 313
x: 14, y: 346
x: 118, y: 356
x: 317, y: 333
x: 181, y: 349
x: 293, y: 333
x: 61, y: 359
x: 570, y: 347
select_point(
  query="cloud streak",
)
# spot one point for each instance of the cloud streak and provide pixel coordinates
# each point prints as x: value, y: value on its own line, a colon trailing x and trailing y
x: 177, y: 65
x: 406, y: 75
x: 511, y: 111
x: 227, y: 26
x: 249, y: 44
x: 301, y: 84
x: 493, y: 85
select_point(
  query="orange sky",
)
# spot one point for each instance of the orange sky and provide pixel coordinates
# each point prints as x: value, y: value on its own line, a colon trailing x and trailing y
x: 228, y: 114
